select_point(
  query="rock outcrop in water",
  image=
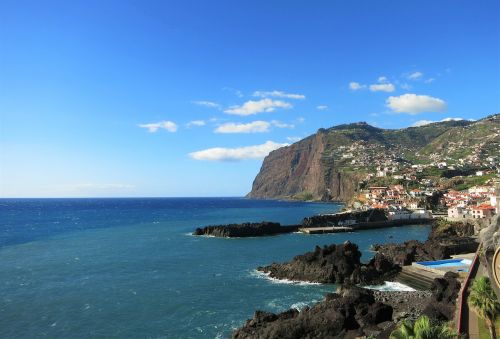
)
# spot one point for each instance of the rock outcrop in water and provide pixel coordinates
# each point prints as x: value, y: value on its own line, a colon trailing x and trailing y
x: 245, y: 230
x: 334, y: 264
x: 351, y: 312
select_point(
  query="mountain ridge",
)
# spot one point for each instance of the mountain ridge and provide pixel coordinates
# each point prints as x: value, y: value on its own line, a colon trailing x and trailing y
x: 331, y: 164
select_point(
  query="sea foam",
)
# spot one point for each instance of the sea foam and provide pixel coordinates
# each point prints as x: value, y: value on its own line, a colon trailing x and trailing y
x: 391, y: 286
x: 267, y: 276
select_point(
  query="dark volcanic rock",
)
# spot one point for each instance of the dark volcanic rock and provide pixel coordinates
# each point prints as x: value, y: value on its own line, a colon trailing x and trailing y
x: 323, y: 220
x: 349, y: 313
x: 334, y: 264
x: 445, y: 239
x: 435, y: 249
x: 444, y: 295
x: 445, y: 229
x: 245, y: 230
x: 378, y: 270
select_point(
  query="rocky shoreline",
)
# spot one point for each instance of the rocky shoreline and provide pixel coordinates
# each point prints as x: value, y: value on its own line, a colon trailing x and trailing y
x: 354, y: 311
x: 334, y: 264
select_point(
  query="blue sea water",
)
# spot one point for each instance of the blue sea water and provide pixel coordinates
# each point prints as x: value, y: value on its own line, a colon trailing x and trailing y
x: 128, y: 268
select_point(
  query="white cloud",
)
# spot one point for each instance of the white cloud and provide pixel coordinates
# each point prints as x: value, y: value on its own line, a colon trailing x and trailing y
x: 452, y: 119
x: 415, y: 104
x: 252, y: 127
x: 205, y: 103
x: 293, y: 139
x: 427, y: 122
x: 415, y: 75
x: 278, y: 94
x: 254, y: 107
x: 382, y: 88
x: 354, y: 86
x: 300, y: 120
x: 280, y: 124
x: 239, y: 153
x: 382, y: 79
x: 405, y: 86
x: 422, y: 123
x: 322, y: 107
x: 166, y: 125
x: 197, y: 123
x: 428, y: 81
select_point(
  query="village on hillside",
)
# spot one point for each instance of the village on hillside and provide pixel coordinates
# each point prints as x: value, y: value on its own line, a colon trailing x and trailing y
x: 418, y: 191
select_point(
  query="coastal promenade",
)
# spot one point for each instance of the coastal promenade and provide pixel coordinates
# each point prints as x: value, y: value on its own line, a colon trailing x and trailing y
x: 323, y: 230
x: 363, y: 226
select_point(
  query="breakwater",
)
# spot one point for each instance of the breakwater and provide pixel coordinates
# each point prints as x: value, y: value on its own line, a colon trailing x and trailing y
x: 324, y: 223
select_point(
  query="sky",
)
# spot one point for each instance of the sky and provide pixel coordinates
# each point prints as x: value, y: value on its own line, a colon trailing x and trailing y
x: 185, y: 98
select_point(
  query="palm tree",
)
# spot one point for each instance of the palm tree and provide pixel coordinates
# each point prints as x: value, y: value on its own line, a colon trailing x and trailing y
x: 423, y: 328
x: 483, y: 301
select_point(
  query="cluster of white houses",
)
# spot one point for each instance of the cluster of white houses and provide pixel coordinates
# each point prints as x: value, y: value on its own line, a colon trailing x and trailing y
x: 400, y: 203
x: 476, y: 203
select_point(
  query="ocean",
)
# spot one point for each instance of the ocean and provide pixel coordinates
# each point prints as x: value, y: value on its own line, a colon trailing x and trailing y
x: 129, y: 268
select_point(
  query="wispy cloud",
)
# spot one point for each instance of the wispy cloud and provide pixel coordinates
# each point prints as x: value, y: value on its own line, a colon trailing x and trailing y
x: 239, y: 153
x: 206, y: 103
x: 414, y: 104
x: 102, y: 187
x: 280, y: 124
x: 355, y: 86
x: 251, y: 127
x: 252, y: 107
x: 278, y: 94
x: 258, y: 126
x: 293, y: 139
x: 197, y: 123
x: 322, y: 107
x: 166, y: 125
x: 415, y: 75
x: 382, y: 88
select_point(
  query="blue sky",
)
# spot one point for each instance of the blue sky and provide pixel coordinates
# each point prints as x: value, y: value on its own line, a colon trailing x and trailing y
x: 184, y: 98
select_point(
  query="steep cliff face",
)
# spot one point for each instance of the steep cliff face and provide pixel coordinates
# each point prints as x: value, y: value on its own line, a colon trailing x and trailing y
x: 301, y: 170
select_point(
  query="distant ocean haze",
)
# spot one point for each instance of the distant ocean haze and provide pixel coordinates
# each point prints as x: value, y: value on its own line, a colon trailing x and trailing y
x: 85, y: 268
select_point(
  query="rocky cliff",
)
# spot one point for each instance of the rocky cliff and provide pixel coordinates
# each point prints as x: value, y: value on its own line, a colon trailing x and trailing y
x: 301, y: 171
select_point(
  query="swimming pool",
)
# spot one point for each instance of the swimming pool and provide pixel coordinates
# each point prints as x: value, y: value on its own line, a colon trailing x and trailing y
x: 446, y: 263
